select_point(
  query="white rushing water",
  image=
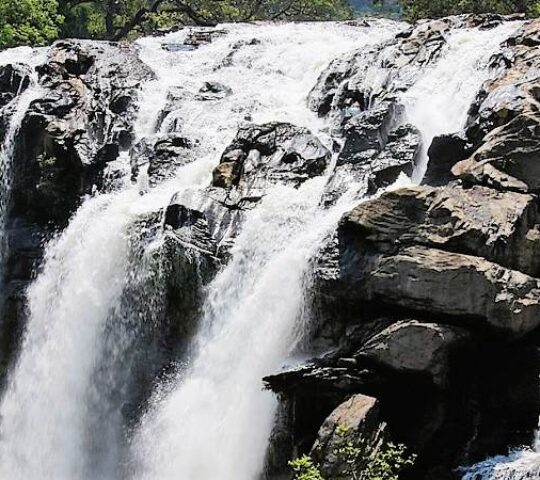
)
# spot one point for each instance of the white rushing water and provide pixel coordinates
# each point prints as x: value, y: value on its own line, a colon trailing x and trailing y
x: 212, y: 420
x: 439, y: 102
x: 46, y: 420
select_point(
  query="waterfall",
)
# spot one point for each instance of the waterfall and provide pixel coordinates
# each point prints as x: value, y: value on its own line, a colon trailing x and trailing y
x: 61, y: 412
x: 16, y: 111
x: 214, y: 420
x: 439, y: 102
x: 52, y: 403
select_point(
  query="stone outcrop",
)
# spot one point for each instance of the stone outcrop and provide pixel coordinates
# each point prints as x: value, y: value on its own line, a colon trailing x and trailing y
x: 499, y: 226
x: 504, y: 128
x: 428, y: 296
x: 79, y: 124
x: 270, y: 153
x: 357, y: 421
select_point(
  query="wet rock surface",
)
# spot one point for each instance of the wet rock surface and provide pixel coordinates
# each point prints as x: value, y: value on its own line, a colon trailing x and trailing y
x: 264, y: 154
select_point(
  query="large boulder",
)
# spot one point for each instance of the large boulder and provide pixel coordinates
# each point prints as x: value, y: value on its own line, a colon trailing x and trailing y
x: 436, y: 281
x: 356, y: 421
x: 416, y: 347
x: 503, y: 227
x: 275, y: 152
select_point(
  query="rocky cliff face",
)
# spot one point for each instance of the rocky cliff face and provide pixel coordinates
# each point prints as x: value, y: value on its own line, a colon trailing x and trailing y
x: 427, y: 297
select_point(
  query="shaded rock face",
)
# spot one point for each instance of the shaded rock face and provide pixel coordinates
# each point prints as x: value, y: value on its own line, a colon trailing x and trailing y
x: 79, y: 125
x: 14, y: 79
x: 412, y: 346
x: 428, y: 297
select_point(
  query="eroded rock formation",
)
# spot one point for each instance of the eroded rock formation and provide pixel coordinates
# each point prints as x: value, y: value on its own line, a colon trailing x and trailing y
x: 428, y: 296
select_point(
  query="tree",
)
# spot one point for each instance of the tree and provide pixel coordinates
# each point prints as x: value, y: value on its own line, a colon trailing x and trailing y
x: 116, y: 19
x: 416, y: 9
x: 28, y: 22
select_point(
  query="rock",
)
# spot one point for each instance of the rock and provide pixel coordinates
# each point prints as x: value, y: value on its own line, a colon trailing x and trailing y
x: 81, y: 123
x: 366, y: 134
x: 508, y: 158
x: 439, y: 282
x: 504, y: 120
x: 398, y: 157
x: 198, y: 37
x: 190, y: 227
x: 379, y: 167
x: 177, y: 47
x: 14, y: 79
x: 416, y: 347
x: 377, y: 73
x: 444, y: 152
x: 315, y: 380
x: 214, y: 91
x: 192, y: 262
x: 499, y: 226
x: 357, y: 421
x: 268, y: 154
x: 167, y: 155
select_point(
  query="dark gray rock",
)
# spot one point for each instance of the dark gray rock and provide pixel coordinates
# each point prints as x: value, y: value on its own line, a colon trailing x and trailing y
x: 416, y: 347
x: 504, y: 120
x: 267, y: 154
x: 444, y: 152
x: 14, y: 79
x: 214, y: 91
x: 499, y: 226
x: 81, y: 123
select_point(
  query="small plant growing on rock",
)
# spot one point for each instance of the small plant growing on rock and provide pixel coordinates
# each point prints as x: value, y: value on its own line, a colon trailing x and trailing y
x: 388, y: 463
x: 305, y: 469
x: 359, y: 461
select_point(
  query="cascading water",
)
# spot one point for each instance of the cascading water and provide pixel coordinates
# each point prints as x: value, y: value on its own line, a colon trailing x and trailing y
x: 59, y: 418
x: 18, y: 107
x: 439, y: 102
x: 51, y: 405
x: 253, y: 314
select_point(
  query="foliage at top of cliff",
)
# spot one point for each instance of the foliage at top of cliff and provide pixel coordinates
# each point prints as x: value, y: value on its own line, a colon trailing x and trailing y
x: 417, y: 9
x: 29, y: 22
x: 38, y: 22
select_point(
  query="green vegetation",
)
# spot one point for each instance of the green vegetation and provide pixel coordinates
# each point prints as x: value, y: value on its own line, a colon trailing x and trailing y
x: 28, y: 22
x: 416, y: 9
x: 38, y: 22
x: 359, y: 462
x: 305, y: 469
